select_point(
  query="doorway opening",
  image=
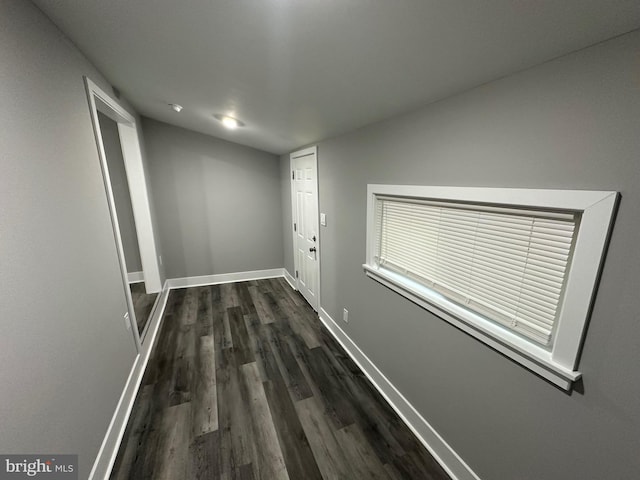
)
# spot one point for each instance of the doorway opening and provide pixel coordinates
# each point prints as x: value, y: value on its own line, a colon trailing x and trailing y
x: 142, y: 301
x: 117, y: 138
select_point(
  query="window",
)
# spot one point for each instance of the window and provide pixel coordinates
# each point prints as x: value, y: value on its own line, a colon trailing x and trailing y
x: 514, y: 268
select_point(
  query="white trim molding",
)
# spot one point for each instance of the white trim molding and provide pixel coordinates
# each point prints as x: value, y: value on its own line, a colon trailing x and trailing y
x: 428, y: 436
x: 111, y: 443
x: 289, y: 278
x: 199, y: 281
x: 135, y: 277
x: 128, y: 130
x: 557, y: 362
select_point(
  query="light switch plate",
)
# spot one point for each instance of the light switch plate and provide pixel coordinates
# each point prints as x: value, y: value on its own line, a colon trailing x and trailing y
x: 323, y: 219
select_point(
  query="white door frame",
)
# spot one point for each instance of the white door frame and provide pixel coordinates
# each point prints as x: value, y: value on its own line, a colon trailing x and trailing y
x: 297, y: 154
x: 136, y: 179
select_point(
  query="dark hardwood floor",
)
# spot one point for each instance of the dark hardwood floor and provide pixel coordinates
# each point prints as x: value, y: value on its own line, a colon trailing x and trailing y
x: 142, y: 304
x: 245, y: 383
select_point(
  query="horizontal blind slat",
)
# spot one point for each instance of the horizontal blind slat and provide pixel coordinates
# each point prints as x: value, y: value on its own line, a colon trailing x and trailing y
x: 507, y: 264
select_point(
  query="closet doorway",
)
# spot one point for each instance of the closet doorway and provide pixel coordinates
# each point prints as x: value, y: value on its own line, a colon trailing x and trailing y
x: 119, y: 149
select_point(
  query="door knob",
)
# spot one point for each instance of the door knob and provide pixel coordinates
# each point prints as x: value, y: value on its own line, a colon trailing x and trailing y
x: 312, y: 249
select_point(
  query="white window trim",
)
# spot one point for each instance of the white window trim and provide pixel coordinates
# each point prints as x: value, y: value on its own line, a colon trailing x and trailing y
x: 558, y: 364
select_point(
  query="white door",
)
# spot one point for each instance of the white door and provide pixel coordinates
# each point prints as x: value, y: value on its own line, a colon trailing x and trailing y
x: 304, y: 177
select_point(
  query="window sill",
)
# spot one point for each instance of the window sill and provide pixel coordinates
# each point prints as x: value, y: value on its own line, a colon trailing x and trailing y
x: 532, y: 357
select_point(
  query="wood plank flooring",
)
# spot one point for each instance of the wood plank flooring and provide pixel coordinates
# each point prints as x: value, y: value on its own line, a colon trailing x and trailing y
x: 142, y: 304
x: 244, y: 383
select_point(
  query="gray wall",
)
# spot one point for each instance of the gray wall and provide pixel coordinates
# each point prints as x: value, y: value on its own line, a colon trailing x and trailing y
x: 64, y: 351
x: 218, y: 203
x: 121, y: 194
x: 573, y: 123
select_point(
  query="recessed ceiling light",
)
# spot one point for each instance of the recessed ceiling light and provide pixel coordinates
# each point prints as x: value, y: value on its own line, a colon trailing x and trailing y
x: 229, y: 122
x: 176, y: 108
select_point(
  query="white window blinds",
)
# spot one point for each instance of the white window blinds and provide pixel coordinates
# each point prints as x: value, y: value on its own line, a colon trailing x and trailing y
x: 508, y: 265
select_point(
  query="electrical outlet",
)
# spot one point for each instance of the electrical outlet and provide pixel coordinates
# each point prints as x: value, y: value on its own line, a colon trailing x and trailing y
x: 345, y: 315
x: 160, y: 258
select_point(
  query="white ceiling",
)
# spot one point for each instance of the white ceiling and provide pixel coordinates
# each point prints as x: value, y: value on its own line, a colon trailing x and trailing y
x: 298, y: 71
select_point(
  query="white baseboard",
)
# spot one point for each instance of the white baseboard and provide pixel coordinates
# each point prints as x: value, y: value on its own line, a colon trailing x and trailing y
x: 441, y: 451
x: 135, y: 277
x: 224, y: 278
x: 111, y: 443
x: 289, y: 278
x: 106, y: 457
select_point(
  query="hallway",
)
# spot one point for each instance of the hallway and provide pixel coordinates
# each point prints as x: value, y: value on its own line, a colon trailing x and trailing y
x: 244, y: 382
